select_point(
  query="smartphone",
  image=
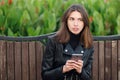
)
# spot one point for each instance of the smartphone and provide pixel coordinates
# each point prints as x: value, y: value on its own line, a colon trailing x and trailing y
x: 77, y: 57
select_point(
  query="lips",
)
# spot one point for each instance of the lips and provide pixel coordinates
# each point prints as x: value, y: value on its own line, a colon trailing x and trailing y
x: 75, y: 29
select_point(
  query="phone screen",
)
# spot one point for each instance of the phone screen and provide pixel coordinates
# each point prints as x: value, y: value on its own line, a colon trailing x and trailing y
x: 77, y: 57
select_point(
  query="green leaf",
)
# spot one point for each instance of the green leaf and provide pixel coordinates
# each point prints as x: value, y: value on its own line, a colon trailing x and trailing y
x: 37, y: 31
x: 14, y: 16
x: 30, y: 31
x: 52, y: 22
x: 98, y: 22
x: 118, y: 24
x: 10, y: 33
x: 25, y: 18
x: 2, y: 20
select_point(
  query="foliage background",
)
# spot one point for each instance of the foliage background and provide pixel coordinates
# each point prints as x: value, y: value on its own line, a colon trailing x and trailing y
x: 36, y: 17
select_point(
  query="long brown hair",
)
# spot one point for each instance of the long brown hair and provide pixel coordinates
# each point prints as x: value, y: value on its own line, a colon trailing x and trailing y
x: 63, y: 35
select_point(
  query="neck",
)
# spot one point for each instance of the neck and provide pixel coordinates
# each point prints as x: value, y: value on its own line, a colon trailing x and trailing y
x: 74, y: 40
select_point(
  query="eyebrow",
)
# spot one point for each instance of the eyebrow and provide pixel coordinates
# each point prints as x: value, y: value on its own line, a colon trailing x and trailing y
x: 78, y: 18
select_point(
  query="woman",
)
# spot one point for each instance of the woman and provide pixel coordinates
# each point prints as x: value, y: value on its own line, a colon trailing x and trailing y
x: 74, y: 36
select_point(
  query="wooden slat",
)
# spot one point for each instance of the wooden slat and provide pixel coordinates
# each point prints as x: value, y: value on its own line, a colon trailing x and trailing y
x: 18, y: 61
x: 114, y: 60
x: 101, y: 60
x: 39, y: 54
x: 108, y: 50
x: 3, y: 74
x: 1, y: 60
x: 10, y: 60
x: 32, y: 61
x: 25, y: 61
x: 95, y: 61
x: 118, y: 60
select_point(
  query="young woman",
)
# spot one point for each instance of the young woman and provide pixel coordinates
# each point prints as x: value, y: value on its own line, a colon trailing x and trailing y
x: 73, y: 37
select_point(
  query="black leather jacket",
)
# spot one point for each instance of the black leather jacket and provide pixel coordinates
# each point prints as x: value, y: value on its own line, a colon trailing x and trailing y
x: 55, y: 57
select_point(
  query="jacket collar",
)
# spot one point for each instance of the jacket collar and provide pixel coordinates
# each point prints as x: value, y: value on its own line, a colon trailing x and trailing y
x: 68, y: 50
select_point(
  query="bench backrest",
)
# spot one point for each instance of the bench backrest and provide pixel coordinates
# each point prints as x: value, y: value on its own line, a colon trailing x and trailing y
x: 20, y: 58
x: 106, y: 65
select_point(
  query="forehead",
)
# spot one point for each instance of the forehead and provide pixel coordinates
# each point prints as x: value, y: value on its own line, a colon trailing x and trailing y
x: 75, y: 14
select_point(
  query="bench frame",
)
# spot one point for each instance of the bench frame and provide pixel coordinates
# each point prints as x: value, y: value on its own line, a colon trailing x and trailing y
x: 21, y: 57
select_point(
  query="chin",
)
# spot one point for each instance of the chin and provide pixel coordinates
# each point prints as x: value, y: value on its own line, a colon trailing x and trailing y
x: 76, y: 33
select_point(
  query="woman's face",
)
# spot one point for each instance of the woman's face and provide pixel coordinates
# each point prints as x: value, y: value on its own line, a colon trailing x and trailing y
x: 75, y: 22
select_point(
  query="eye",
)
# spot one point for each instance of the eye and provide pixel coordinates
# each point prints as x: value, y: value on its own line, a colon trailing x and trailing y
x: 71, y: 19
x: 80, y: 19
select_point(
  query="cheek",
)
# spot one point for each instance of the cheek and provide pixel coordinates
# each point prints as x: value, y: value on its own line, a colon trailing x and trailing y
x: 81, y: 28
x: 81, y: 25
x: 69, y: 25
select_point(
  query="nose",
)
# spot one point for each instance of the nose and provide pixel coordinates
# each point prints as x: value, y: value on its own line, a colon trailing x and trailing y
x: 76, y: 23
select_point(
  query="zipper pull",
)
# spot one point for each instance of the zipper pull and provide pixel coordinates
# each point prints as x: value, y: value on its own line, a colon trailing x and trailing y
x: 71, y: 77
x: 76, y: 76
x: 65, y: 77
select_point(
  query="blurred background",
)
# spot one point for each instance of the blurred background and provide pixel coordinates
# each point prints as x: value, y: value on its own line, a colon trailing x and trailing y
x: 37, y: 17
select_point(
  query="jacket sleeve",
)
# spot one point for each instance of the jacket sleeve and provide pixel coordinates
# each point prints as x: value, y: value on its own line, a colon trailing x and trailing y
x: 48, y: 70
x: 87, y: 67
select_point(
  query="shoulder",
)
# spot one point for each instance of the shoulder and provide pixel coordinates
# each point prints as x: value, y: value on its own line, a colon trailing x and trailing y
x: 90, y: 50
x: 52, y: 40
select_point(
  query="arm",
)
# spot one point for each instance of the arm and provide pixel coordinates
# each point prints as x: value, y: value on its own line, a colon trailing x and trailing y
x: 86, y: 71
x: 48, y: 70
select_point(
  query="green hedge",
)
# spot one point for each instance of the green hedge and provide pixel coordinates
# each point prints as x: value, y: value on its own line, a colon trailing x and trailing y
x: 36, y: 17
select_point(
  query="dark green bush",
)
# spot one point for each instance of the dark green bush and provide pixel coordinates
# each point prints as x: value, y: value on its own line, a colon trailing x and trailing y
x: 36, y: 17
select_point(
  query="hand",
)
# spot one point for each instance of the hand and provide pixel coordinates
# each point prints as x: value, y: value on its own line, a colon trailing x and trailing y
x: 68, y: 66
x: 78, y: 66
x: 72, y: 64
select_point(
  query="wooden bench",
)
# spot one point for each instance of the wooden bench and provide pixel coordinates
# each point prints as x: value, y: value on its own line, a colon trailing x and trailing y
x: 20, y: 58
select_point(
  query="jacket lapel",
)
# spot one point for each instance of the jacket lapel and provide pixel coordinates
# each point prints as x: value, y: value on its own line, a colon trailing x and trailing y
x: 68, y: 50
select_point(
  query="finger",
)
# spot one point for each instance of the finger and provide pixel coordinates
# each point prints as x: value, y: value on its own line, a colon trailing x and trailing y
x: 79, y: 63
x: 70, y: 64
x: 78, y: 68
x: 71, y: 61
x: 68, y: 67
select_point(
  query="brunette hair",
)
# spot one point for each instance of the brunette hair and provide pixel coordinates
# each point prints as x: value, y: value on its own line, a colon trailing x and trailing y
x: 63, y: 35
